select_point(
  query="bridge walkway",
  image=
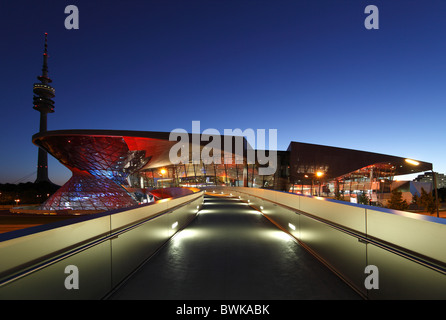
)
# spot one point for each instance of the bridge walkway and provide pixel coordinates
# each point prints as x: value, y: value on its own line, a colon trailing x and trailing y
x: 232, y: 252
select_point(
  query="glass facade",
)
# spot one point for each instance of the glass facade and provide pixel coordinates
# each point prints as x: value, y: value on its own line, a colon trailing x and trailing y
x: 202, y: 175
x: 346, y: 174
x: 374, y: 181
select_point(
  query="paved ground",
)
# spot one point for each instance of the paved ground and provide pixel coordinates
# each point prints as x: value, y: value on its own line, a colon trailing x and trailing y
x: 441, y: 214
x: 231, y: 252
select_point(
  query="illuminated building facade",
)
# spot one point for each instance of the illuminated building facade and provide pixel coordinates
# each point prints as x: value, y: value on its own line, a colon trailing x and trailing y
x: 114, y: 169
x: 345, y: 173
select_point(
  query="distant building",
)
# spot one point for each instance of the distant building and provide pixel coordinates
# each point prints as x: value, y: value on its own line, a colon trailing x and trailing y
x: 411, y: 188
x: 428, y: 177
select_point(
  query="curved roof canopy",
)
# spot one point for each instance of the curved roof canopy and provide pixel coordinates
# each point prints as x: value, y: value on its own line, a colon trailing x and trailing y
x: 336, y: 162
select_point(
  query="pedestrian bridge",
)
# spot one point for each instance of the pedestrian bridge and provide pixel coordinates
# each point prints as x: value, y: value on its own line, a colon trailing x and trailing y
x: 230, y: 243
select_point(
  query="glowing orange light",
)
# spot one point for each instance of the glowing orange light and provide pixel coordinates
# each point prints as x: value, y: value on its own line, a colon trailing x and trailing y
x: 412, y: 162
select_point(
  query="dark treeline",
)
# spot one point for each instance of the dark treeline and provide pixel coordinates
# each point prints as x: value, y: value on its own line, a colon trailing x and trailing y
x: 27, y: 193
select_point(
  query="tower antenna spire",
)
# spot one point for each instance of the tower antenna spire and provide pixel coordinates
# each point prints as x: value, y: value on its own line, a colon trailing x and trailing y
x: 45, y: 57
x: 44, y: 77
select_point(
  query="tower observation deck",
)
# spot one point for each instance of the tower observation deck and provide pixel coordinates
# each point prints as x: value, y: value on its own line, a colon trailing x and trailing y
x: 42, y: 100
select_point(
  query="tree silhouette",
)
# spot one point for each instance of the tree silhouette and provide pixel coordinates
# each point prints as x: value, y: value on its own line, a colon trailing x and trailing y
x: 427, y: 201
x: 396, y: 201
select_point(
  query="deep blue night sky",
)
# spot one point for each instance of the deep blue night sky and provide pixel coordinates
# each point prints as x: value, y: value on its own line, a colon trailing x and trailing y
x: 309, y: 69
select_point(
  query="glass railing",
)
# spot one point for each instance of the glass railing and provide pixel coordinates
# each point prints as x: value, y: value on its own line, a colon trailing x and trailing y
x: 87, y: 257
x: 405, y: 251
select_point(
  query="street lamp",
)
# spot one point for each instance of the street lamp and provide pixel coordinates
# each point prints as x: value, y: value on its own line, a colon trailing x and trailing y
x: 434, y: 179
x: 319, y: 174
x: 162, y: 172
